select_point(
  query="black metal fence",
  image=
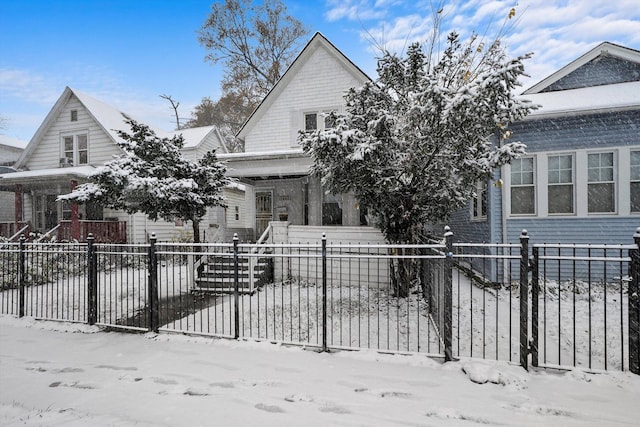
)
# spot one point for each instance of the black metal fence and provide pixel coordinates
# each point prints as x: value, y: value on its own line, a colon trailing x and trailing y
x: 544, y: 305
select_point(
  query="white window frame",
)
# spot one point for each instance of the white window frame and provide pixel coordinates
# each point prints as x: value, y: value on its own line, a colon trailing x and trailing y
x: 477, y: 202
x: 613, y: 181
x: 569, y: 183
x: 321, y: 118
x: 632, y: 179
x: 75, y: 152
x: 533, y: 184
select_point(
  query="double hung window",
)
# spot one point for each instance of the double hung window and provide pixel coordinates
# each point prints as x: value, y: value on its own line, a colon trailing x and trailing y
x: 523, y: 191
x: 76, y: 149
x: 560, y: 190
x: 601, y: 186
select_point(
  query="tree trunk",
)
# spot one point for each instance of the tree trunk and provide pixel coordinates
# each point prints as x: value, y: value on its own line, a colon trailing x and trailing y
x: 196, y: 231
x: 403, y: 272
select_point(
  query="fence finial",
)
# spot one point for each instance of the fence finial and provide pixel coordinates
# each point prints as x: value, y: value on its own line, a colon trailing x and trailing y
x: 235, y: 237
x: 524, y: 234
x: 636, y: 235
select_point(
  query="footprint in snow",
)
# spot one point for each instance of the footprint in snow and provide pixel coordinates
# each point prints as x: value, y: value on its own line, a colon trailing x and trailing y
x: 117, y: 368
x: 269, y: 408
x: 384, y: 393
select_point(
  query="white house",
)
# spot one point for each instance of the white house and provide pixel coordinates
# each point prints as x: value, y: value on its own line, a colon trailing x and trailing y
x: 78, y: 135
x: 273, y: 166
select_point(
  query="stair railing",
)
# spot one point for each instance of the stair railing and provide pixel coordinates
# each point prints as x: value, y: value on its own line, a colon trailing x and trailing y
x: 258, y: 250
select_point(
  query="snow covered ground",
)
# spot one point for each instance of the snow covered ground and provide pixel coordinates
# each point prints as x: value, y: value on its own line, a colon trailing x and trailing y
x: 64, y: 374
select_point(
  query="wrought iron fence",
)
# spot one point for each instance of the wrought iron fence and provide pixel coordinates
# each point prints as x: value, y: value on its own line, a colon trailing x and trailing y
x: 565, y: 305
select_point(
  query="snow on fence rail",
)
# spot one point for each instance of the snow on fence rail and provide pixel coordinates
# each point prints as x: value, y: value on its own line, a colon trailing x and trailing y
x: 495, y: 301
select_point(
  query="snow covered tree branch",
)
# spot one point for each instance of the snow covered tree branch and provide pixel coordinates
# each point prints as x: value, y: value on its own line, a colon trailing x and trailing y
x: 412, y: 145
x: 152, y: 176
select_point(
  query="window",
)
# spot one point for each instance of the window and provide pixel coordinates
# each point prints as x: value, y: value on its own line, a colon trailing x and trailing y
x: 237, y: 213
x: 560, y: 190
x: 329, y: 120
x: 479, y: 202
x: 523, y: 199
x: 332, y: 209
x: 310, y: 122
x: 75, y: 149
x: 318, y: 120
x: 74, y: 115
x: 601, y: 183
x: 634, y: 186
x: 66, y: 210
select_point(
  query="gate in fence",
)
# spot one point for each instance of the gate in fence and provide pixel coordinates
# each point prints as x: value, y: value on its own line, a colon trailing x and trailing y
x: 539, y: 304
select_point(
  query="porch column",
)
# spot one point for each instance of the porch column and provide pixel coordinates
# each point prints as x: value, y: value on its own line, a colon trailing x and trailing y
x: 75, y: 224
x: 18, y: 202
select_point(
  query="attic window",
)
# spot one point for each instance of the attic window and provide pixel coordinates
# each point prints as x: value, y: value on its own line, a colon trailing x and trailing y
x: 74, y: 115
x: 310, y: 122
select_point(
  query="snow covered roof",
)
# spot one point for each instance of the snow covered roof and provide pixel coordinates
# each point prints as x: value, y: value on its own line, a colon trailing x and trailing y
x: 43, y: 175
x: 596, y: 98
x: 11, y: 141
x: 192, y: 136
x: 111, y: 120
x: 604, y: 48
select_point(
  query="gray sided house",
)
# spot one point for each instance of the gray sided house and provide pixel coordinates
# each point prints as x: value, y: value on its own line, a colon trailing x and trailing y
x: 580, y: 180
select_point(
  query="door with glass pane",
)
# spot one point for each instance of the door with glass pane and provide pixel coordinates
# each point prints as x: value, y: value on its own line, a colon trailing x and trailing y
x: 264, y: 211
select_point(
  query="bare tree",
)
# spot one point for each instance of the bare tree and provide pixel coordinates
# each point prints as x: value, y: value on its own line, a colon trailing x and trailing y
x: 174, y: 104
x: 255, y: 43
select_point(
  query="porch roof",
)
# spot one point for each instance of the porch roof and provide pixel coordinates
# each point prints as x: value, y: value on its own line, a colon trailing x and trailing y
x: 267, y: 164
x: 43, y: 176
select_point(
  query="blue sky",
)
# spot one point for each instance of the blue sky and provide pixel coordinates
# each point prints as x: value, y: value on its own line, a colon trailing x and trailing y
x: 128, y: 52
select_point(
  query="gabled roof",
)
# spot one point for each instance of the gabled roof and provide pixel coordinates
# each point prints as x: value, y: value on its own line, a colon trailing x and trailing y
x: 110, y: 119
x: 318, y: 40
x: 605, y: 49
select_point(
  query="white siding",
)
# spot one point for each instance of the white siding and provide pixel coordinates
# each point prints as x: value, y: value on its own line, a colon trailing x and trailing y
x: 319, y: 85
x: 48, y: 152
x: 234, y: 199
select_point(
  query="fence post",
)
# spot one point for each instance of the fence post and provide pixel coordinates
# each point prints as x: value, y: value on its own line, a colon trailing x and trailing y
x: 236, y: 301
x: 535, y: 293
x: 92, y: 281
x: 324, y: 292
x: 154, y: 314
x: 21, y: 278
x: 448, y: 296
x: 634, y: 306
x: 524, y: 300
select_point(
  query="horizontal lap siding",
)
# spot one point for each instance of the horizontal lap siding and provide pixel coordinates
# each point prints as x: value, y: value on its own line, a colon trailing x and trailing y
x: 592, y: 131
x: 320, y: 83
x: 579, y: 231
x: 47, y: 154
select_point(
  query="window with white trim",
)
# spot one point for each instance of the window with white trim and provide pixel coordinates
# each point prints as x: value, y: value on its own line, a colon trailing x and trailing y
x: 601, y: 185
x: 634, y: 185
x: 74, y: 115
x: 75, y: 148
x: 560, y: 184
x: 479, y: 202
x: 318, y: 121
x: 523, y: 189
x: 310, y: 122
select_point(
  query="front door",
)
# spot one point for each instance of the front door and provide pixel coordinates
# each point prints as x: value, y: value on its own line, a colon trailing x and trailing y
x: 264, y: 211
x: 51, y: 212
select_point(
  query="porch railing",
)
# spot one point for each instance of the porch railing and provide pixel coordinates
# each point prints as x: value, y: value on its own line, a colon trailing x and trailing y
x: 104, y: 231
